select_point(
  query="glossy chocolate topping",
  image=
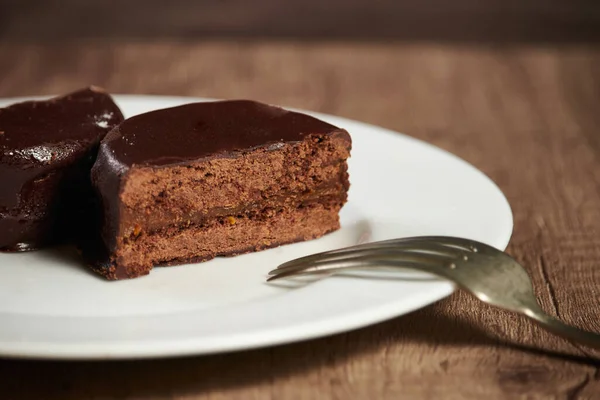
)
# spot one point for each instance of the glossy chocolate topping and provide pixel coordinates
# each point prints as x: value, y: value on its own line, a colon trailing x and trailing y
x: 198, y: 130
x: 46, y: 151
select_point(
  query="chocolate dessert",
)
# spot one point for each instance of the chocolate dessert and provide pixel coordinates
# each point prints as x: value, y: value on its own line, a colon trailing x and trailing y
x: 189, y: 183
x: 47, y: 149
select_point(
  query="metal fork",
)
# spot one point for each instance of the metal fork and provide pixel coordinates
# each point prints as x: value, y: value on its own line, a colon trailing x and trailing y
x: 490, y: 275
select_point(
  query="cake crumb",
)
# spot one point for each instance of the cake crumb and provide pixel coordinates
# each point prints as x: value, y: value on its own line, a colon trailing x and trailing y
x: 231, y: 220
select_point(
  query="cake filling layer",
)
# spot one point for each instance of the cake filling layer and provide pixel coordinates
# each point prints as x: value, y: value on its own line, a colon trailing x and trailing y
x: 223, y: 236
x: 160, y: 221
x: 161, y: 216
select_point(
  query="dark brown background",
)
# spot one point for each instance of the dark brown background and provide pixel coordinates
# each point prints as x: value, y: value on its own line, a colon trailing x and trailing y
x: 436, y: 20
x: 511, y: 86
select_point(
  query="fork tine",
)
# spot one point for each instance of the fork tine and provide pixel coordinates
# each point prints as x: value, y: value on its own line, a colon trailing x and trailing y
x: 382, y: 255
x: 459, y: 243
x: 420, y: 250
x: 454, y: 242
x: 371, y: 263
x: 376, y: 248
x: 379, y: 244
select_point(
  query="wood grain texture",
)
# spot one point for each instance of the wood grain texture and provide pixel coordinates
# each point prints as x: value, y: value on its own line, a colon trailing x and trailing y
x: 528, y: 116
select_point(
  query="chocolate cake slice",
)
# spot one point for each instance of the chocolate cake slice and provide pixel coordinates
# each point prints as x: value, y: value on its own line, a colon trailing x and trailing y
x: 47, y: 149
x: 189, y: 183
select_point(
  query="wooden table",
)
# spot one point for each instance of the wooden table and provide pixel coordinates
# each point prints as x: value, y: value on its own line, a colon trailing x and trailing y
x: 526, y: 115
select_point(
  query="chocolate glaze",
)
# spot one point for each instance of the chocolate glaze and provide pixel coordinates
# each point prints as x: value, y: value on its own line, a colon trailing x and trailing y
x: 198, y: 130
x: 192, y: 133
x: 46, y: 151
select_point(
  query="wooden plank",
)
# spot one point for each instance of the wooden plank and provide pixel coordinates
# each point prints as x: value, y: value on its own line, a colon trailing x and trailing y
x: 525, y: 115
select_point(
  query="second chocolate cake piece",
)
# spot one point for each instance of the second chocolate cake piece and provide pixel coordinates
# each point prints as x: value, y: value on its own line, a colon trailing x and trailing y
x: 47, y: 149
x: 193, y: 182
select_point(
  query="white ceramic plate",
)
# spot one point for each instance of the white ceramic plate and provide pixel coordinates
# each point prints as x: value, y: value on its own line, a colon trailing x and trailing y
x: 52, y: 307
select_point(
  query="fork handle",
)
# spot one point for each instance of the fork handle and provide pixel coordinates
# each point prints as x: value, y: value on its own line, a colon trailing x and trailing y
x: 569, y: 332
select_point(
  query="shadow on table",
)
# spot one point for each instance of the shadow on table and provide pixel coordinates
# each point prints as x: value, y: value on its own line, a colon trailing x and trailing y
x: 444, y: 330
x: 217, y: 373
